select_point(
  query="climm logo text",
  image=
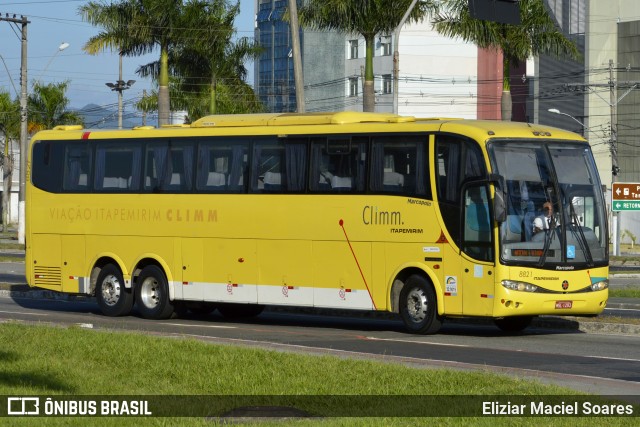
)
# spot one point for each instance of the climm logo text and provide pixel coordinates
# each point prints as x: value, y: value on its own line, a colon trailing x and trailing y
x: 372, y: 215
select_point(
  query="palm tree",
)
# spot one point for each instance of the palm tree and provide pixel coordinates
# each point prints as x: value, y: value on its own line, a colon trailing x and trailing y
x: 137, y: 27
x: 537, y: 34
x: 10, y: 130
x: 206, y: 61
x: 367, y: 18
x: 47, y: 106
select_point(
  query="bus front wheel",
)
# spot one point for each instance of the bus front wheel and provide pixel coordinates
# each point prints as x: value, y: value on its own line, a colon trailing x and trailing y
x: 418, y: 307
x: 114, y: 299
x: 152, y: 294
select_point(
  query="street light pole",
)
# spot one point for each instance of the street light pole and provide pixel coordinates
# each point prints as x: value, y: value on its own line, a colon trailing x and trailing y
x: 119, y: 87
x: 556, y: 111
x: 62, y: 47
x: 396, y: 56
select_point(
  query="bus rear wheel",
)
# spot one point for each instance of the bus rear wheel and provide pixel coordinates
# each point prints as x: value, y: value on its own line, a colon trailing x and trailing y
x: 418, y: 307
x: 513, y: 324
x: 152, y: 294
x: 114, y: 299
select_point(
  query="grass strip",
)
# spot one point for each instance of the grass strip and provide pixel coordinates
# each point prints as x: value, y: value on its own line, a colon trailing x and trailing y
x: 45, y: 360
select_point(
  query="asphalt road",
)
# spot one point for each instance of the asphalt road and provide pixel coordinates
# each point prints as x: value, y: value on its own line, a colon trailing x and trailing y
x: 596, y: 363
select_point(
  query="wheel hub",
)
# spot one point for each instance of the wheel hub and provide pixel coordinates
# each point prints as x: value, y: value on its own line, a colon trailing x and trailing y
x: 417, y: 305
x: 111, y: 289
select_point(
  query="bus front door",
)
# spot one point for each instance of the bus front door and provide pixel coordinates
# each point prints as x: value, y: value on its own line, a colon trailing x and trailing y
x: 477, y: 265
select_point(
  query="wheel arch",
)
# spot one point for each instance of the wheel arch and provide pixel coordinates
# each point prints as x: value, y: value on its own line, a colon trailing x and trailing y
x: 130, y: 276
x: 399, y: 279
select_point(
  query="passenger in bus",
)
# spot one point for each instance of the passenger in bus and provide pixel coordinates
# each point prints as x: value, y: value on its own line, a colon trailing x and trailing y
x: 545, y: 221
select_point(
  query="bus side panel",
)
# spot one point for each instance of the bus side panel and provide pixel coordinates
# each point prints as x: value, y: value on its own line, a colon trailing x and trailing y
x: 230, y: 270
x: 192, y: 270
x: 478, y: 282
x: 339, y: 275
x: 74, y: 264
x: 283, y: 274
x: 379, y: 279
x: 47, y: 258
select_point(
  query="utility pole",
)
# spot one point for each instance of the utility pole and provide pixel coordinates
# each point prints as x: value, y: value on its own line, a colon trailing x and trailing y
x: 297, y: 57
x: 614, y: 156
x: 23, y: 122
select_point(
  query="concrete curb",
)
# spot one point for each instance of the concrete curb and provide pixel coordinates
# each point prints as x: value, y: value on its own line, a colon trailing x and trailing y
x: 542, y: 322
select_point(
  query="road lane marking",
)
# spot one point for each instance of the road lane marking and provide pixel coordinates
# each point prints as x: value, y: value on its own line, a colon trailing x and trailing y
x: 612, y: 358
x: 200, y: 326
x: 416, y: 342
x: 24, y: 312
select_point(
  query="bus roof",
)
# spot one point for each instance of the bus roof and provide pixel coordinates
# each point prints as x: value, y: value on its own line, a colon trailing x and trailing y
x: 293, y: 119
x: 481, y: 130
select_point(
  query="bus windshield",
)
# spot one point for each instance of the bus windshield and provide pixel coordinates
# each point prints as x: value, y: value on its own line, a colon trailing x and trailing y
x: 555, y: 214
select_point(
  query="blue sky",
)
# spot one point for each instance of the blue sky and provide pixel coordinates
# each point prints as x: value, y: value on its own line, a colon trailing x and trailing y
x: 53, y: 22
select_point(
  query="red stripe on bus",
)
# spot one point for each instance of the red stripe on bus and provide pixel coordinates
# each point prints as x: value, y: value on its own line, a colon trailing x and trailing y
x: 341, y: 222
x: 85, y: 135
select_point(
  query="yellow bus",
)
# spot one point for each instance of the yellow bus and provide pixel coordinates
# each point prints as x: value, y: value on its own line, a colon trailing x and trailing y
x: 427, y: 218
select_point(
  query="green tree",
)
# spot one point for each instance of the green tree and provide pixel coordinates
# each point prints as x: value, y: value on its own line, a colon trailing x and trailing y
x: 10, y: 131
x: 367, y: 18
x: 48, y: 107
x: 236, y: 99
x: 134, y: 28
x: 537, y: 34
x: 207, y: 64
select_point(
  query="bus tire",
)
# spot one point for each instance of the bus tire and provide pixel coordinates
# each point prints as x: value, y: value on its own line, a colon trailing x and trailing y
x: 513, y: 324
x: 236, y: 311
x: 152, y: 294
x: 114, y: 299
x: 418, y: 306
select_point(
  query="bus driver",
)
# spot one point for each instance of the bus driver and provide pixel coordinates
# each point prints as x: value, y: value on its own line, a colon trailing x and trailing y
x: 546, y: 220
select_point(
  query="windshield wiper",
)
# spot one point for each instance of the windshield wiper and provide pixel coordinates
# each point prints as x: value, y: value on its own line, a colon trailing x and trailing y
x: 548, y: 236
x: 582, y: 240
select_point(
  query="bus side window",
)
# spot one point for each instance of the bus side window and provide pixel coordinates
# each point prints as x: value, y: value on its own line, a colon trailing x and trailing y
x: 281, y: 167
x: 118, y: 167
x: 457, y: 159
x: 339, y: 164
x: 268, y: 168
x: 76, y: 167
x: 399, y: 165
x: 47, y: 163
x: 168, y: 167
x: 476, y: 240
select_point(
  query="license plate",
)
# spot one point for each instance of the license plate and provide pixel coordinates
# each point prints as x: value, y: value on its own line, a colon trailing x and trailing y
x: 564, y: 304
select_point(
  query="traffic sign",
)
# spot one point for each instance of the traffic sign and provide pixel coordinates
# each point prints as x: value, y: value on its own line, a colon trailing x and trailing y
x: 625, y: 196
x: 619, y: 205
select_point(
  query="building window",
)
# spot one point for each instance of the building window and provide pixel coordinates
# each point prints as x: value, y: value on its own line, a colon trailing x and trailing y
x: 353, y: 86
x: 386, y: 83
x: 385, y: 46
x: 353, y: 49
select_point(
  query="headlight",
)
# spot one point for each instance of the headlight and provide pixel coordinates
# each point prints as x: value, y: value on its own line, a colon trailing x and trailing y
x: 519, y: 286
x: 600, y: 286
